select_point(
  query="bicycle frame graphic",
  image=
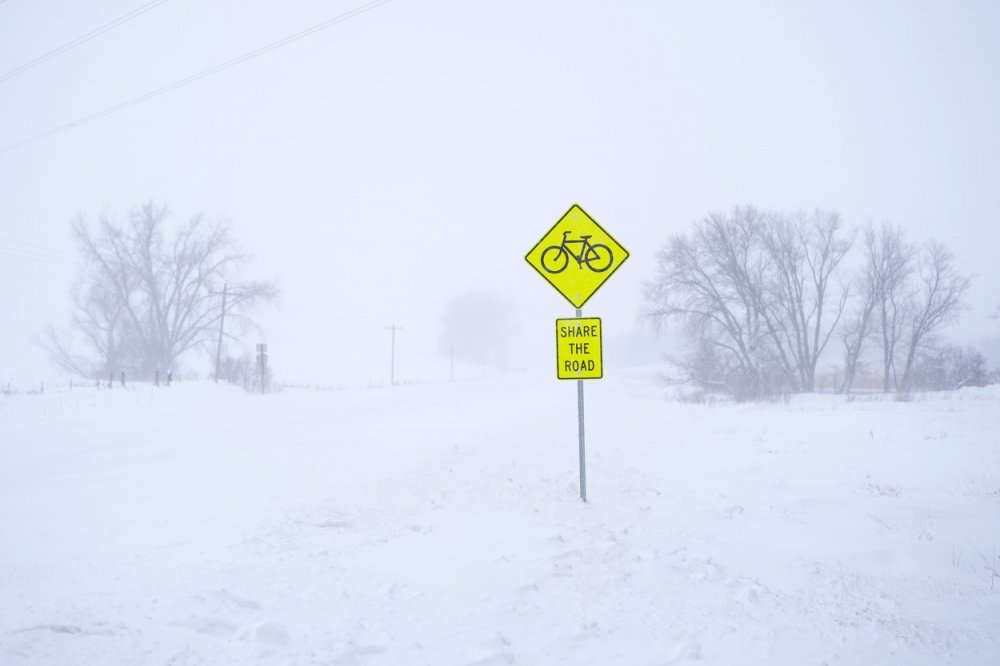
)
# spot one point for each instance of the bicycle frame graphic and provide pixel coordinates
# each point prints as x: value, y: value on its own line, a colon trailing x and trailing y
x: 597, y: 256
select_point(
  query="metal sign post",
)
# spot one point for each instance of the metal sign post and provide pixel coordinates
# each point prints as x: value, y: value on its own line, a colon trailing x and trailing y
x: 579, y: 356
x: 579, y: 415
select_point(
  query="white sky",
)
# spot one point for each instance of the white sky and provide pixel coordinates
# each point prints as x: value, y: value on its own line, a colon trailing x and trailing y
x: 416, y: 152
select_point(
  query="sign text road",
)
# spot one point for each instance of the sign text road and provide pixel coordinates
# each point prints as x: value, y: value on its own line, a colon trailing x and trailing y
x: 578, y: 348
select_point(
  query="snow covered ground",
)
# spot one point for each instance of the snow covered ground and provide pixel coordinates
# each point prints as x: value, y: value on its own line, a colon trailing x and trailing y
x: 440, y: 524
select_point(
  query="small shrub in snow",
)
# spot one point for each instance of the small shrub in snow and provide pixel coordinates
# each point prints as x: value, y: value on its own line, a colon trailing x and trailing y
x: 869, y: 488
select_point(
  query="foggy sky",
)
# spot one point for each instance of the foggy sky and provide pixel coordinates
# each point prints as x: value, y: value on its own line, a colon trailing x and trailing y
x: 416, y: 152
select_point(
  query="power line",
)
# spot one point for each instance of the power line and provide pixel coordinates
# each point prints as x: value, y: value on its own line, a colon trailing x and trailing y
x: 60, y: 278
x: 34, y: 247
x: 80, y: 40
x: 200, y: 75
x: 35, y: 257
x: 28, y: 249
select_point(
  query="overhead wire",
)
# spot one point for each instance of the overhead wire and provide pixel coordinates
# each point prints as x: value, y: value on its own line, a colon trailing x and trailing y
x: 11, y: 250
x: 346, y: 16
x: 96, y: 32
x: 35, y: 246
x: 36, y: 257
x: 58, y: 278
x: 54, y: 276
x: 61, y: 278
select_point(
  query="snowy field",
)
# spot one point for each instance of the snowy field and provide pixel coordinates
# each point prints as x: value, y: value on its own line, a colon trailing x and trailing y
x: 440, y: 524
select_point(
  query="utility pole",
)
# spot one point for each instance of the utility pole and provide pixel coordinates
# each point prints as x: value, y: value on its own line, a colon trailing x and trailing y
x: 222, y: 324
x: 262, y: 362
x: 392, y: 357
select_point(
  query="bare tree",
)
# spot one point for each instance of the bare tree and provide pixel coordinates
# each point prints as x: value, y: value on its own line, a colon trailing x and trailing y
x: 760, y: 289
x: 805, y: 253
x: 905, y: 296
x: 761, y: 295
x: 858, y: 326
x: 149, y: 296
x: 712, y: 282
x: 941, y: 288
x: 948, y: 367
x: 890, y: 260
x: 97, y: 322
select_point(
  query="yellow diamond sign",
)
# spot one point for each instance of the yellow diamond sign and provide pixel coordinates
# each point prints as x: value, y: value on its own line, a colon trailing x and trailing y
x: 576, y: 256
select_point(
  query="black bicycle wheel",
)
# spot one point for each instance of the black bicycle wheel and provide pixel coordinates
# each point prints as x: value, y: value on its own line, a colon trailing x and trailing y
x: 555, y: 259
x: 599, y: 258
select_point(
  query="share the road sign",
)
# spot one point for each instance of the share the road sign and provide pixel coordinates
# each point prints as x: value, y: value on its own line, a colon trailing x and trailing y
x: 578, y: 348
x: 576, y: 256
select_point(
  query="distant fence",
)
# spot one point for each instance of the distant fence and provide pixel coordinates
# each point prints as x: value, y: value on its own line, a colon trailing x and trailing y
x: 113, y: 382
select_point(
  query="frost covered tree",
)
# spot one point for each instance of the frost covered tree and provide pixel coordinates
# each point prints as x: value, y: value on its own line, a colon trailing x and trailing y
x: 805, y: 253
x: 762, y: 290
x: 151, y: 291
x: 879, y: 298
x: 891, y: 263
x: 712, y: 282
x: 905, y: 295
x: 948, y: 367
x: 936, y: 302
x: 761, y: 294
x: 857, y: 325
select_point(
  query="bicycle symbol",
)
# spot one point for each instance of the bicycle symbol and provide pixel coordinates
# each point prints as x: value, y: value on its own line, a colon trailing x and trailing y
x: 597, y: 256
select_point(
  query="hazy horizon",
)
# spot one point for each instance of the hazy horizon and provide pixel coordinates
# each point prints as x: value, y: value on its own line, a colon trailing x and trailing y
x: 415, y: 152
